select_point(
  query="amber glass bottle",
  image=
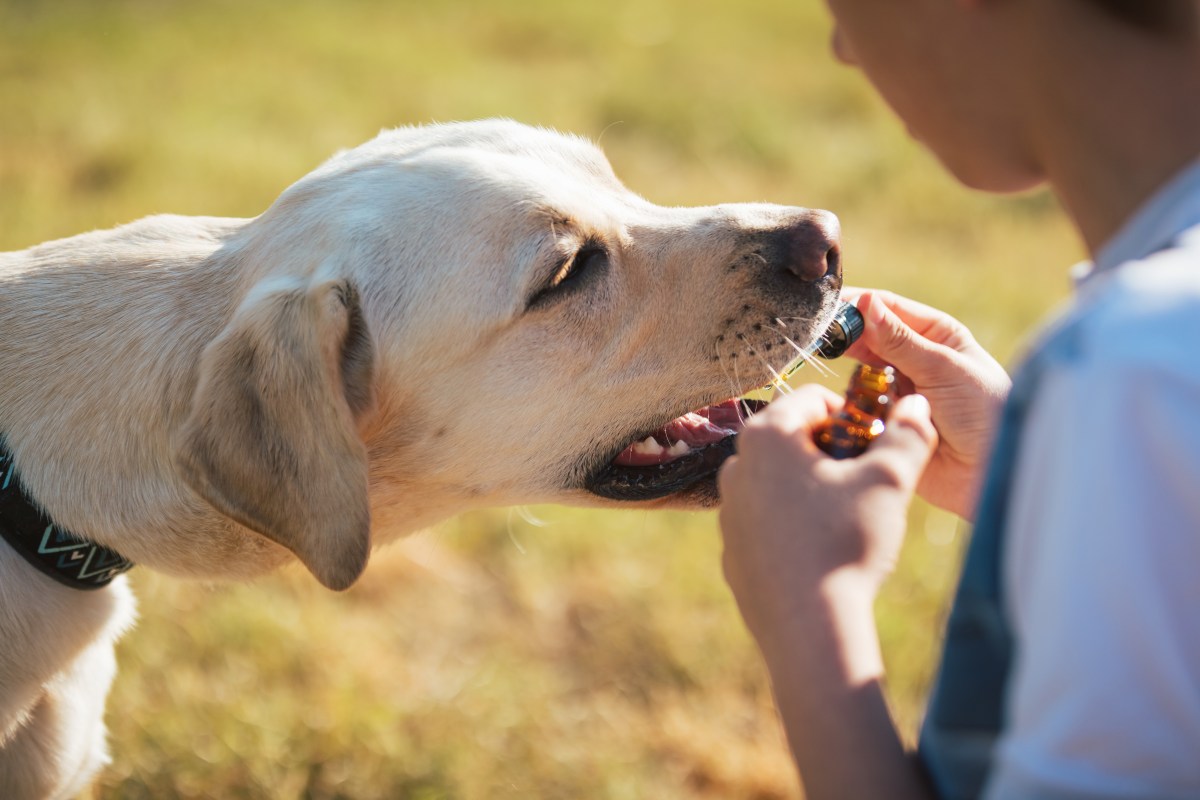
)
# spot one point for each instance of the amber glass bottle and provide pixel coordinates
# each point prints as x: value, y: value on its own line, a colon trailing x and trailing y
x: 869, y: 398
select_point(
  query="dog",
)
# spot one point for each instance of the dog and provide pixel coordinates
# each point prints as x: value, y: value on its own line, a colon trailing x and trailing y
x: 447, y: 317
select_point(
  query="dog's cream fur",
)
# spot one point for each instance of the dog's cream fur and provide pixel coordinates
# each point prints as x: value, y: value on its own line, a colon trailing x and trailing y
x: 212, y: 397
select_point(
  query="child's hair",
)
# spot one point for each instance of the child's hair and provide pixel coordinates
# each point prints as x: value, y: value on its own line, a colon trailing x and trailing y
x: 1161, y: 17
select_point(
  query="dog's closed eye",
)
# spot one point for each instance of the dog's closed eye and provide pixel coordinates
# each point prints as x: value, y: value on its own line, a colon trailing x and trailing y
x: 575, y: 272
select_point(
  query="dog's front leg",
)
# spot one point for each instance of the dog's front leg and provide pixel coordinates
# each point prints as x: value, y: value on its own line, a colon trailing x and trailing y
x: 56, y: 666
x: 61, y: 745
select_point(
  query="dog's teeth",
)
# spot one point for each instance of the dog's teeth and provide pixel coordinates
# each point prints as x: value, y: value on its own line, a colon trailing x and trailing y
x: 648, y: 446
x: 679, y: 449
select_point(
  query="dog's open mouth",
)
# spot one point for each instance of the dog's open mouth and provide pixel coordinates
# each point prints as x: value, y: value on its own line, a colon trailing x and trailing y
x: 685, y: 451
x: 688, y: 451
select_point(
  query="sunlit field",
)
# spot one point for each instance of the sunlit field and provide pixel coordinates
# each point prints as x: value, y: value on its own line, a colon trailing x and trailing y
x: 516, y: 653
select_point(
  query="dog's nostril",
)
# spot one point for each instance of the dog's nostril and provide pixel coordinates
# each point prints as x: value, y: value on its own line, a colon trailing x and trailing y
x: 815, y: 249
x: 833, y: 260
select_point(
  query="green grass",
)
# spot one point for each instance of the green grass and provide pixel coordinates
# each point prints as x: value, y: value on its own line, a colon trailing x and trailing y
x: 598, y: 655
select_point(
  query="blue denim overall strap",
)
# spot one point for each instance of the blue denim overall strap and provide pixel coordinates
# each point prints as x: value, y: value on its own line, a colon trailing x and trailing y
x: 966, y: 709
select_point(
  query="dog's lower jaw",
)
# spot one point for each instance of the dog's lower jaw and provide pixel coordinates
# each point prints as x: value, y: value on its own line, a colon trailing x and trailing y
x: 700, y: 496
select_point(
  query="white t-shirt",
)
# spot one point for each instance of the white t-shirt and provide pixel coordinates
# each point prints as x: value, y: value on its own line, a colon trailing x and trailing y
x: 1101, y: 566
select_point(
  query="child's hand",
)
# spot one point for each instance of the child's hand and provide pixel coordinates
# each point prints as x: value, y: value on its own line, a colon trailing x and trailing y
x: 797, y: 522
x: 938, y: 357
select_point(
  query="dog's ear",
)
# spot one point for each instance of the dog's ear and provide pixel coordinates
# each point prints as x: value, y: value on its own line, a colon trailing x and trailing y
x: 271, y: 439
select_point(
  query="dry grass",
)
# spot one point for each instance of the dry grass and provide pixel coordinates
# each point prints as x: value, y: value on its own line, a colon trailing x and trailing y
x: 599, y: 655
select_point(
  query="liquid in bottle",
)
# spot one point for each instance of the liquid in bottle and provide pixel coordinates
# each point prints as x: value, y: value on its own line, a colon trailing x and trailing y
x: 869, y: 399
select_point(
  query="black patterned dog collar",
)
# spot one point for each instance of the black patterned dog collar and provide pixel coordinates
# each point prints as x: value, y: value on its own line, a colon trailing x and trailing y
x: 66, y: 558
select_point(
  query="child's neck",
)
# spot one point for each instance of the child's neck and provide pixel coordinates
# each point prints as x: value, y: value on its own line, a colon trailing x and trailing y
x: 1119, y: 117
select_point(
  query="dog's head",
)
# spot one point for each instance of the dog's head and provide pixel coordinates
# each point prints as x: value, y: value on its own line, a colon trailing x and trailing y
x: 481, y: 314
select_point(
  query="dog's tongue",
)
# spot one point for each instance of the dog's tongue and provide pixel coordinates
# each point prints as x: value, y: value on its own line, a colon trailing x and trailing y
x: 680, y: 436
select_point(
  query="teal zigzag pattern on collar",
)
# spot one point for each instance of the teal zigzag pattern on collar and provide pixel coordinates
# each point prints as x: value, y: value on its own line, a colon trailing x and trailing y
x: 69, y: 559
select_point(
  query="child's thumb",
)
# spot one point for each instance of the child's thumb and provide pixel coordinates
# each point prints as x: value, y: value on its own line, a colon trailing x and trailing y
x: 893, y: 341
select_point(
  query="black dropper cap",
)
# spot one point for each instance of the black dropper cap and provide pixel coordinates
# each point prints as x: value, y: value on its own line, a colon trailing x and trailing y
x: 844, y: 331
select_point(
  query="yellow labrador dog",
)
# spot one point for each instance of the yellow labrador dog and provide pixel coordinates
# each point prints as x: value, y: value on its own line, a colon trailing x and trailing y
x: 447, y: 317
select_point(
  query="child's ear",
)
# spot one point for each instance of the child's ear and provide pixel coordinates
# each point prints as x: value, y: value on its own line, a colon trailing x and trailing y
x: 271, y: 438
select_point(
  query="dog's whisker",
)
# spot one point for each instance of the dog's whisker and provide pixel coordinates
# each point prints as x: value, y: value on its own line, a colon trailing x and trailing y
x: 805, y: 356
x: 528, y: 516
x: 778, y: 381
x: 512, y: 537
x: 725, y: 370
x: 737, y: 382
x: 819, y: 366
x: 799, y: 350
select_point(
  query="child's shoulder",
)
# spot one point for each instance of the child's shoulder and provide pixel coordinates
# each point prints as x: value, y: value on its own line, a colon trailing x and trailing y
x: 1145, y: 310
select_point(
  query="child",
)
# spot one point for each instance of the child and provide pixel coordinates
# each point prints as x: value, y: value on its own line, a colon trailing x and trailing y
x: 1071, y: 666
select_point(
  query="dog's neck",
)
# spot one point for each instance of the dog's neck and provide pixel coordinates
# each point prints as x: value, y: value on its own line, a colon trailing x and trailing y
x: 127, y: 315
x: 59, y: 554
x: 102, y: 333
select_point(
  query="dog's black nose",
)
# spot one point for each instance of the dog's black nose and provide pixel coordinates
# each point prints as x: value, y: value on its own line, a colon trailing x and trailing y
x: 814, y: 247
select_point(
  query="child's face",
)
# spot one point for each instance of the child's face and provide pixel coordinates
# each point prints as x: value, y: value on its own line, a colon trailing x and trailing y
x: 944, y: 69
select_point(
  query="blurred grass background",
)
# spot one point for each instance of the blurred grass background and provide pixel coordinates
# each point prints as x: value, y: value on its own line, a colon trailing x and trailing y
x: 589, y: 655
